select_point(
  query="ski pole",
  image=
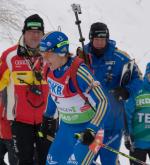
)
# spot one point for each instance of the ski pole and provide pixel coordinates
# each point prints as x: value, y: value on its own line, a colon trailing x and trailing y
x: 123, y: 154
x: 113, y: 139
x: 77, y: 10
x: 79, y: 137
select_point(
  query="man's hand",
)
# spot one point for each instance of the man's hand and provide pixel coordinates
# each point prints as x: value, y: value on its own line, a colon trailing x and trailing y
x: 86, y: 137
x: 120, y: 93
x: 48, y: 128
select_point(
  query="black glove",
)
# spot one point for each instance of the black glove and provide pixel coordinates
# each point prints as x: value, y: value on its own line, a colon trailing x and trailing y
x: 120, y: 93
x: 86, y: 137
x: 128, y: 143
x: 48, y: 128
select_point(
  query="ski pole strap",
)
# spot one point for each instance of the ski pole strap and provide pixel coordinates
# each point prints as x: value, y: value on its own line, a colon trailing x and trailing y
x: 123, y: 154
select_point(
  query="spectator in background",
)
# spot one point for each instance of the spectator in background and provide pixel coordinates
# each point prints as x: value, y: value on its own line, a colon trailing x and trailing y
x: 138, y: 119
x: 107, y: 62
x: 21, y: 71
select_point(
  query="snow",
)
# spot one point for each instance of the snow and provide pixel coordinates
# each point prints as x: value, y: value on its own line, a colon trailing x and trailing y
x: 127, y: 20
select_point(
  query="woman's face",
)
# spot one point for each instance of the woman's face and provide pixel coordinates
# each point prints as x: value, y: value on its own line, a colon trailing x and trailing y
x: 53, y: 60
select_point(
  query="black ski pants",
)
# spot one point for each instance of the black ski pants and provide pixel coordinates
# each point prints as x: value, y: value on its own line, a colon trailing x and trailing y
x: 28, y: 145
x: 7, y: 146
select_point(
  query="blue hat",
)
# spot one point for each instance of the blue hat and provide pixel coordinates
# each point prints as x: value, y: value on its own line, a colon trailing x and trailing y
x: 56, y: 42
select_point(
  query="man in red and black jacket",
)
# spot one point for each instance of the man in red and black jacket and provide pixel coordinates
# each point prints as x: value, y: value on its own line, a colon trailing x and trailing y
x: 21, y: 71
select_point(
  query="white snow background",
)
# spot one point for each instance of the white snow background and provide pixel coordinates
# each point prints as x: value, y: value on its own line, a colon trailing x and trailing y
x: 127, y: 20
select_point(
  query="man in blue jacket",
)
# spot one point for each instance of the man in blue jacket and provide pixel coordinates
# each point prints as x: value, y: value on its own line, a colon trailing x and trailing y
x: 106, y: 62
x: 138, y: 119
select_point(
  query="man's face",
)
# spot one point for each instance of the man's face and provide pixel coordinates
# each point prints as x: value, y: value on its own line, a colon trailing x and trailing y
x: 32, y: 38
x: 99, y: 43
